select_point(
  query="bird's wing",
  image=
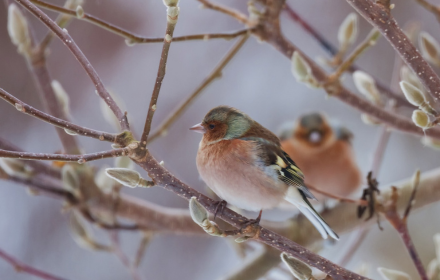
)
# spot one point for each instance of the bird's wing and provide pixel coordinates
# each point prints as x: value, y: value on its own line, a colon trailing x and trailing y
x: 271, y: 155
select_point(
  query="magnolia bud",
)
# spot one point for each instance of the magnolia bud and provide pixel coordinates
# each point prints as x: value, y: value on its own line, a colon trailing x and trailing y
x: 62, y: 96
x: 412, y: 94
x: 367, y: 86
x: 173, y: 14
x: 171, y: 3
x: 299, y: 269
x: 407, y: 75
x: 79, y: 12
x: 72, y: 4
x: 420, y: 119
x: 429, y: 48
x: 15, y: 167
x: 348, y: 31
x: 18, y: 30
x: 301, y: 70
x: 70, y: 179
x: 127, y: 177
x: 390, y: 274
x: 198, y: 212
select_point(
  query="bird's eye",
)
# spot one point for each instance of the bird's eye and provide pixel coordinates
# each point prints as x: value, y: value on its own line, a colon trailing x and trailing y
x: 211, y: 126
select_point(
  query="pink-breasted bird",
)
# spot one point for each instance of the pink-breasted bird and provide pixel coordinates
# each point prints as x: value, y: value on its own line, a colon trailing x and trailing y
x: 244, y: 164
x: 324, y: 153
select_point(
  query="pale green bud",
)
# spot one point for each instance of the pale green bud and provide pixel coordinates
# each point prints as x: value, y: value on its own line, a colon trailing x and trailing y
x: 198, y: 212
x: 429, y: 48
x: 18, y: 30
x: 420, y: 119
x: 299, y: 269
x: 367, y: 86
x: 348, y: 30
x: 390, y: 274
x: 128, y: 177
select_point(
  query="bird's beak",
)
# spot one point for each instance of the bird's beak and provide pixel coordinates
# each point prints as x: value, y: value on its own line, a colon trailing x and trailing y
x: 198, y: 128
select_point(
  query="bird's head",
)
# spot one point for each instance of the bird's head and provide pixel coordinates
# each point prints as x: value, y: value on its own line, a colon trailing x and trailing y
x: 313, y: 129
x: 223, y: 122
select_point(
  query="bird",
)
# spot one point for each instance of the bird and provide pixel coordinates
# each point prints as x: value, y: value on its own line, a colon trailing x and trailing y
x: 244, y: 164
x: 324, y: 153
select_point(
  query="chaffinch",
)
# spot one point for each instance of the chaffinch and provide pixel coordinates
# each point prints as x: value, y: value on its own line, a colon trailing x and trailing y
x: 324, y: 154
x: 244, y: 164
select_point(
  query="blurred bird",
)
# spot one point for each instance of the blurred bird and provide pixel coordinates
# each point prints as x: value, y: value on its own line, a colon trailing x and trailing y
x: 244, y: 164
x: 324, y: 154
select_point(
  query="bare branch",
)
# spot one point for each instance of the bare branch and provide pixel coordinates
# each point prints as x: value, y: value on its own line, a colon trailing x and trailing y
x: 79, y: 55
x: 377, y: 16
x: 22, y: 267
x: 341, y: 199
x: 225, y: 10
x: 31, y: 111
x: 133, y: 38
x: 332, y: 50
x: 430, y: 7
x: 61, y: 157
x: 171, y: 24
x: 161, y: 130
x: 122, y: 256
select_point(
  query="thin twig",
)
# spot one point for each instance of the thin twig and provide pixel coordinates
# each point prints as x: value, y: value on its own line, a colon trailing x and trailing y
x: 225, y: 10
x: 430, y: 7
x: 131, y: 37
x: 340, y: 198
x: 31, y: 111
x: 61, y: 157
x: 171, y: 24
x: 122, y: 256
x: 216, y: 73
x: 391, y: 213
x: 145, y: 241
x: 115, y: 226
x: 82, y: 59
x: 377, y: 16
x: 360, y: 49
x: 332, y: 50
x: 19, y: 266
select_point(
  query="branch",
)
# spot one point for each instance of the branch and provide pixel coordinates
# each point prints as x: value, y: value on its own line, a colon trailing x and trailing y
x: 133, y: 38
x: 172, y: 17
x: 216, y: 73
x: 61, y: 157
x: 22, y: 267
x: 430, y: 7
x: 163, y: 178
x: 225, y: 10
x: 340, y: 198
x: 378, y: 16
x: 31, y: 111
x: 332, y: 50
x: 122, y: 256
x: 79, y: 55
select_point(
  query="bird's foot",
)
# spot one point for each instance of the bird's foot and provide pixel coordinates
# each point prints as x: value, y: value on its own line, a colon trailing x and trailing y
x: 220, y: 206
x: 253, y: 222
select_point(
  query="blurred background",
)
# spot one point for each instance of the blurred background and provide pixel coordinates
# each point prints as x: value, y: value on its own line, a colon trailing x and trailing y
x: 258, y: 81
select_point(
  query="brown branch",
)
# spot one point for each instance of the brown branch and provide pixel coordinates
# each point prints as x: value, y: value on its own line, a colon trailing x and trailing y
x: 31, y: 111
x: 171, y: 24
x: 67, y: 40
x: 216, y: 73
x: 391, y: 213
x: 37, y: 166
x: 377, y: 16
x: 19, y: 266
x: 122, y: 256
x: 225, y: 10
x: 430, y: 7
x: 163, y: 178
x: 332, y: 50
x: 131, y: 37
x: 61, y: 157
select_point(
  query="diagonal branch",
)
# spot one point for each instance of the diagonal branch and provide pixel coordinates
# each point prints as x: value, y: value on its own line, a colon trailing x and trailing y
x: 133, y: 38
x: 67, y: 40
x: 430, y: 7
x: 171, y: 24
x: 31, y: 111
x: 379, y: 17
x: 161, y: 130
x: 22, y: 267
x: 332, y: 50
x: 60, y: 157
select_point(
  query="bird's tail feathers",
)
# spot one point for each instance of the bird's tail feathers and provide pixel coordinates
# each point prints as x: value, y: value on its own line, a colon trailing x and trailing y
x: 307, y: 209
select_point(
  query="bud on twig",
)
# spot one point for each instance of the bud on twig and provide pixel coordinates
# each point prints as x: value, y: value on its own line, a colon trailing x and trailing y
x: 367, y: 86
x: 429, y: 48
x: 104, y: 182
x: 62, y: 96
x: 200, y: 217
x: 72, y: 4
x: 18, y: 30
x: 15, y: 167
x: 420, y: 119
x: 408, y: 76
x: 70, y: 180
x: 79, y: 12
x: 390, y: 274
x: 171, y: 3
x: 431, y: 142
x: 299, y: 269
x: 348, y: 31
x: 127, y: 177
x: 416, y: 97
x: 82, y: 234
x: 302, y: 72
